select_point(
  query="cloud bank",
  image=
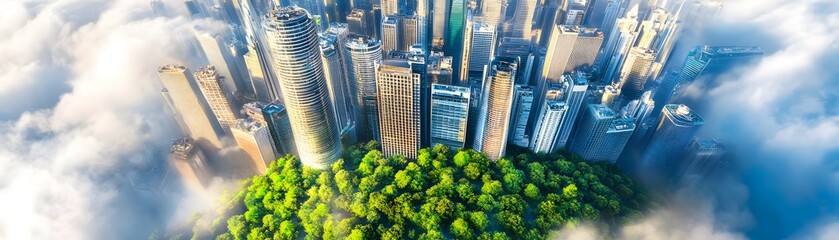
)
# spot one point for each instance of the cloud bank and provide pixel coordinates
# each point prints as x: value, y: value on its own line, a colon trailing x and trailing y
x: 81, y: 123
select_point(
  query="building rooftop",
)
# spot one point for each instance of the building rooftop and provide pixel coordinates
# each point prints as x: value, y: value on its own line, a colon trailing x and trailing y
x: 622, y: 125
x: 247, y: 125
x: 171, y: 68
x: 287, y: 13
x: 601, y: 111
x: 731, y: 50
x: 362, y: 42
x: 682, y: 115
x: 450, y: 91
x: 555, y: 105
x: 182, y: 148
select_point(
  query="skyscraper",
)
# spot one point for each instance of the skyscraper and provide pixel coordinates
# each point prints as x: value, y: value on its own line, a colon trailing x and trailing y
x: 522, y: 105
x: 591, y: 133
x: 576, y: 93
x: 676, y: 127
x: 454, y: 38
x: 219, y: 100
x: 293, y: 40
x: 616, y: 47
x: 559, y: 52
x: 496, y: 106
x: 549, y: 120
x: 361, y: 55
x: 279, y: 126
x: 258, y: 80
x: 390, y: 7
x: 191, y: 163
x: 449, y: 115
x: 409, y: 34
x: 703, y: 160
x: 335, y: 74
x: 439, y: 68
x: 523, y: 19
x: 195, y: 115
x: 219, y: 55
x: 391, y: 28
x: 493, y: 12
x: 635, y: 72
x: 441, y: 10
x: 358, y: 22
x: 254, y: 138
x: 616, y: 139
x: 585, y: 50
x: 398, y: 83
x: 481, y: 47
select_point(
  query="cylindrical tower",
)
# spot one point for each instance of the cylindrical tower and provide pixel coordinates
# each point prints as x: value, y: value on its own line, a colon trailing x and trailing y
x: 362, y: 53
x: 293, y: 41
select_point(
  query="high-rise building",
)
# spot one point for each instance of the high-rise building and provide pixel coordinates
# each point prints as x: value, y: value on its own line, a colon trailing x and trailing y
x: 449, y: 115
x: 219, y: 55
x: 196, y: 116
x: 254, y: 138
x: 454, y: 38
x: 359, y: 23
x: 361, y: 55
x: 585, y: 50
x: 336, y: 80
x: 493, y: 12
x: 279, y: 125
x: 676, y: 127
x: 703, y: 160
x: 390, y: 7
x: 293, y: 40
x: 398, y: 85
x: 191, y: 163
x: 391, y: 28
x: 219, y: 100
x: 635, y: 72
x: 576, y: 13
x: 549, y: 120
x: 409, y: 34
x: 616, y: 139
x: 522, y: 105
x: 496, y: 106
x: 480, y: 49
x: 258, y: 79
x: 576, y: 93
x: 523, y: 49
x: 622, y: 35
x: 559, y: 52
x: 610, y: 97
x: 441, y: 10
x: 523, y: 19
x: 591, y: 131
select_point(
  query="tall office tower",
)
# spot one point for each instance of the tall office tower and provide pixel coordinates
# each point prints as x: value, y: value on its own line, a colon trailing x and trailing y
x: 359, y: 22
x: 701, y: 68
x: 390, y: 34
x: 703, y: 160
x: 493, y: 11
x: 481, y: 48
x: 496, y: 106
x: 676, y: 127
x: 559, y: 52
x: 219, y: 55
x: 390, y: 7
x: 410, y: 34
x: 576, y: 13
x: 336, y: 82
x: 596, y: 13
x: 441, y: 9
x: 585, y: 50
x: 375, y: 21
x: 293, y: 40
x: 636, y: 71
x: 591, y: 131
x: 361, y: 55
x: 362, y: 4
x: 191, y: 163
x: 521, y: 48
x: 449, y: 115
x: 650, y: 29
x: 422, y: 12
x: 279, y: 125
x: 439, y: 68
x: 576, y: 93
x: 617, y: 138
x: 523, y: 19
x: 522, y: 105
x: 616, y: 47
x: 186, y: 101
x: 639, y: 109
x: 454, y: 38
x: 398, y: 85
x: 253, y: 137
x: 211, y: 86
x: 610, y: 97
x: 258, y: 80
x: 549, y: 120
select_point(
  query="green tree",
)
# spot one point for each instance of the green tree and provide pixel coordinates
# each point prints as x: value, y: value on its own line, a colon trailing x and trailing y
x: 460, y: 229
x: 462, y: 158
x: 531, y: 191
x: 479, y: 220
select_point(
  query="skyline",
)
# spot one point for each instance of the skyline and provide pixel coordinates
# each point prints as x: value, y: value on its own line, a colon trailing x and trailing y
x: 69, y: 104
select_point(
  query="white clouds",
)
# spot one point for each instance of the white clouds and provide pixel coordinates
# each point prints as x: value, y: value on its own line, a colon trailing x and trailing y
x: 81, y: 112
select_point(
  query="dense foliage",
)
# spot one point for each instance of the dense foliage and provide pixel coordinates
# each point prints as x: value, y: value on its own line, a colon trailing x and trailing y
x: 441, y: 194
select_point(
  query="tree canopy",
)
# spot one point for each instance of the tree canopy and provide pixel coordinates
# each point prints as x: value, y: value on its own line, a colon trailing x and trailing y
x: 442, y: 194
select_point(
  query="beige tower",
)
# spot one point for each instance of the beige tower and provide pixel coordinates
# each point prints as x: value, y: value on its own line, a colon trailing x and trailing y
x: 216, y: 95
x: 496, y: 107
x: 187, y: 104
